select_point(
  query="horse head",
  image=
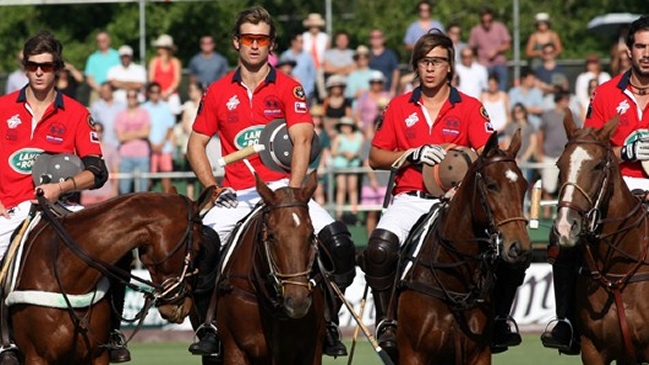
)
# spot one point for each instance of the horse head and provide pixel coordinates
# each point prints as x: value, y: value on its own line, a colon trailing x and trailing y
x: 498, y: 189
x: 585, y: 177
x: 289, y: 244
x: 172, y: 261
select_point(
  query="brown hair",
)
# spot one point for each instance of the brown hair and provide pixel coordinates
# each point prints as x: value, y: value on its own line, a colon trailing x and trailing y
x: 434, y: 38
x: 44, y: 42
x: 254, y: 15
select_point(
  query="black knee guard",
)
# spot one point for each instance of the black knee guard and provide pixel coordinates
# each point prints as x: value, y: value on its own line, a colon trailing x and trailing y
x: 338, y: 241
x: 380, y: 258
x: 207, y: 260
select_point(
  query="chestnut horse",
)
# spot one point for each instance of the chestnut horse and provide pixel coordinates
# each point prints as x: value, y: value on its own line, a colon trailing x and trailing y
x: 598, y: 213
x: 166, y: 230
x: 270, y: 310
x: 444, y: 308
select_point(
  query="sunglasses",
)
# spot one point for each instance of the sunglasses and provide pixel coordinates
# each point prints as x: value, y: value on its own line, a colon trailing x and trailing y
x: 248, y: 39
x: 45, y: 66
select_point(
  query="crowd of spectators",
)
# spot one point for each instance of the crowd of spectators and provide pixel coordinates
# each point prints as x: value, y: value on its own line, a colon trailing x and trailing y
x: 144, y: 124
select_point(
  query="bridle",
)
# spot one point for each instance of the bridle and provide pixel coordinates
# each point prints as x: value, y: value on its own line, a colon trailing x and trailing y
x: 593, y: 213
x: 493, y: 225
x: 276, y: 278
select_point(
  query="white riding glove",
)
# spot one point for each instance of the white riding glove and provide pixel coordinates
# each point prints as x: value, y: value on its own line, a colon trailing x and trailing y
x: 637, y: 150
x: 227, y: 198
x: 427, y: 154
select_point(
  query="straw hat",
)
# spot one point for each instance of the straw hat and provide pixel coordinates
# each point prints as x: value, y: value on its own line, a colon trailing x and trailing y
x: 361, y: 50
x: 346, y: 121
x: 336, y: 80
x: 542, y: 17
x: 314, y: 20
x: 316, y: 110
x: 164, y: 41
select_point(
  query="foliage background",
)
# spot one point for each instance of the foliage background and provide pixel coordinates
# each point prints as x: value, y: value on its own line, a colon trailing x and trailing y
x: 76, y: 25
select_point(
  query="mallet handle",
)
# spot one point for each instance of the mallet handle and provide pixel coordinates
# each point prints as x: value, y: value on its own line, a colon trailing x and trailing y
x: 240, y: 154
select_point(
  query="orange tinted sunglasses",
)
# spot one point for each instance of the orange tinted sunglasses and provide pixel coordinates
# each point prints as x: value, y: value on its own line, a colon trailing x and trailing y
x: 248, y: 39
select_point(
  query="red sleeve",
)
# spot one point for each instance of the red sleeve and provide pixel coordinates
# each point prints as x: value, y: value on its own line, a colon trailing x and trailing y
x: 480, y: 128
x: 206, y: 121
x: 86, y: 140
x: 295, y: 105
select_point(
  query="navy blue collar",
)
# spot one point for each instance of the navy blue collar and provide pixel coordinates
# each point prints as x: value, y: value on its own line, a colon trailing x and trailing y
x: 58, y: 99
x: 454, y: 96
x: 624, y: 80
x: 271, y: 77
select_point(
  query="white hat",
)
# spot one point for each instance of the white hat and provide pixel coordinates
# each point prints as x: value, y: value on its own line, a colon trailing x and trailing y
x: 125, y: 50
x: 336, y: 80
x: 164, y: 41
x: 377, y: 75
x: 542, y: 17
x: 314, y: 20
x: 361, y: 50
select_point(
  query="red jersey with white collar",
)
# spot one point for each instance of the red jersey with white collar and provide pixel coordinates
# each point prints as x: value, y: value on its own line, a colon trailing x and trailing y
x: 239, y: 114
x: 66, y: 127
x: 614, y: 98
x: 462, y: 121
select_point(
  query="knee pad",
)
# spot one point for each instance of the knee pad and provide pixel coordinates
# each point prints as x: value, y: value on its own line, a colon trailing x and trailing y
x: 338, y: 242
x: 207, y: 259
x: 379, y: 260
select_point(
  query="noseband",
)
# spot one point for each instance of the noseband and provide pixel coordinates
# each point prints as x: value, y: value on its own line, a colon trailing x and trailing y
x: 278, y: 279
x: 593, y: 212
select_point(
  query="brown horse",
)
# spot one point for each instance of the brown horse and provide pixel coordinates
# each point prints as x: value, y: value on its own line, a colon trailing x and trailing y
x: 444, y: 305
x: 270, y: 310
x: 166, y: 230
x: 598, y: 213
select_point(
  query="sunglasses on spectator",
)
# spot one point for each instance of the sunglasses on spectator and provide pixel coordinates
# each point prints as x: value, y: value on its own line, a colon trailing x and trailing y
x: 45, y: 66
x: 248, y: 39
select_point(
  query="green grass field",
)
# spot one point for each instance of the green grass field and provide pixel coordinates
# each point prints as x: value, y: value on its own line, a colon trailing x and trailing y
x: 530, y: 352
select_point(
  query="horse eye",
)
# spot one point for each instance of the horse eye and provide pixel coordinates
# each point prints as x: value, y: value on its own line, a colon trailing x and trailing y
x: 600, y: 166
x: 492, y: 186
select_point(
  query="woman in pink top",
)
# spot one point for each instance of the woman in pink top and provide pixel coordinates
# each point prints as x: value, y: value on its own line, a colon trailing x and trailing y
x: 132, y: 127
x: 165, y: 69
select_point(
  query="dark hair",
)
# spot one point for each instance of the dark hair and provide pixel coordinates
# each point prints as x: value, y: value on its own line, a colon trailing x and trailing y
x: 254, y: 15
x: 526, y: 71
x: 639, y: 24
x: 151, y: 85
x: 434, y: 38
x: 520, y: 106
x: 424, y: 2
x: 493, y: 76
x: 486, y: 10
x: 453, y: 25
x: 44, y: 42
x: 560, y: 94
x: 342, y: 32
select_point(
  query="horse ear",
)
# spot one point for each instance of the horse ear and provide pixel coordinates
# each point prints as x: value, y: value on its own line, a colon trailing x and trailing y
x: 607, y: 130
x: 491, y: 146
x: 205, y: 201
x: 515, y: 144
x: 266, y: 193
x: 310, y: 185
x: 569, y: 123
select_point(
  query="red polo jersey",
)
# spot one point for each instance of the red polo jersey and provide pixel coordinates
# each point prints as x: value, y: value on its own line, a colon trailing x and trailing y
x: 462, y: 121
x: 614, y: 98
x: 66, y: 127
x: 239, y: 114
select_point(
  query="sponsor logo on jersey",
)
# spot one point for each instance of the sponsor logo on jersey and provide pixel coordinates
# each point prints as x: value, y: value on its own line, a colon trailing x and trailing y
x: 299, y: 93
x: 233, y: 103
x: 55, y: 133
x: 14, y: 121
x: 411, y: 120
x: 248, y: 137
x: 622, y: 107
x: 272, y: 107
x: 22, y: 160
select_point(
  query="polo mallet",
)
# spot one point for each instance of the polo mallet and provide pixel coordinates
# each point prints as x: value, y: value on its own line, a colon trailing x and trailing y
x: 396, y: 165
x: 13, y: 248
x: 240, y: 154
x: 377, y: 348
x: 360, y: 314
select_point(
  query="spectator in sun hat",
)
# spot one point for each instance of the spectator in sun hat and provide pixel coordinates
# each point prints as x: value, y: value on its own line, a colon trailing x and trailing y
x: 165, y: 69
x: 127, y: 75
x: 336, y: 105
x: 541, y: 36
x: 358, y: 80
x: 346, y: 153
x: 371, y: 103
x: 316, y: 42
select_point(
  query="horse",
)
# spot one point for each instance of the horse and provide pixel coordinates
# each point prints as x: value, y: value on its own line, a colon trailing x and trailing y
x: 444, y: 307
x: 270, y: 300
x: 166, y: 230
x: 598, y: 214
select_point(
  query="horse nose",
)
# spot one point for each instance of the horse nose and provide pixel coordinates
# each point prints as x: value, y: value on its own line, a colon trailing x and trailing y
x: 297, y: 308
x: 515, y: 249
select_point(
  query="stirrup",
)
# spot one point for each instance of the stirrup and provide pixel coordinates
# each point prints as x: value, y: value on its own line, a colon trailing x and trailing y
x: 549, y: 341
x: 384, y: 323
x: 11, y: 355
